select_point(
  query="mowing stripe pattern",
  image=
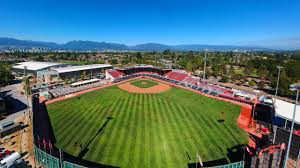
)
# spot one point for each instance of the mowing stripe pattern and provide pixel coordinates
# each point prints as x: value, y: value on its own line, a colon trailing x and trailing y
x: 146, y: 130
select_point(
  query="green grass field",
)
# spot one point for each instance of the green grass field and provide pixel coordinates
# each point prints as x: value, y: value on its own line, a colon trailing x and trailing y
x: 145, y: 130
x: 144, y: 83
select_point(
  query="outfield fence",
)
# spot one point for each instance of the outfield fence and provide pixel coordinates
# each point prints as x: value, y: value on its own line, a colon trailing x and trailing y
x: 48, y: 161
x: 240, y: 164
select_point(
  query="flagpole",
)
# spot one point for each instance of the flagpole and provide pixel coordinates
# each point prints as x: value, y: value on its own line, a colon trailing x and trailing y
x: 50, y: 147
x: 196, y: 160
x: 60, y: 158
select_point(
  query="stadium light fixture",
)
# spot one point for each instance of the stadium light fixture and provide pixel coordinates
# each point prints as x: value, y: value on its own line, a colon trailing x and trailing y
x: 293, y: 87
x: 276, y: 91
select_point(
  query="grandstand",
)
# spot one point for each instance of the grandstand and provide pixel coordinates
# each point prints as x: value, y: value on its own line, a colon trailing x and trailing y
x: 76, y: 87
x: 113, y: 74
x: 111, y: 99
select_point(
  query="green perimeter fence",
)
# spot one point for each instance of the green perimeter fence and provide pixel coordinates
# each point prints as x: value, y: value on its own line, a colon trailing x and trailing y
x: 49, y: 161
x: 240, y: 164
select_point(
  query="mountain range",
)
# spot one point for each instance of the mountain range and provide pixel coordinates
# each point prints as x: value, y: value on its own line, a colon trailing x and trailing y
x: 79, y: 45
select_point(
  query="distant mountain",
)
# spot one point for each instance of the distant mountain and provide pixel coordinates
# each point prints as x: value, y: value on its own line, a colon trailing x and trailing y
x: 199, y: 47
x: 93, y: 46
x: 151, y: 47
x: 78, y: 45
x: 15, y: 43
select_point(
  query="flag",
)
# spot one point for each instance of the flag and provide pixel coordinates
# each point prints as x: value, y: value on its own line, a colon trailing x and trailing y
x: 45, y: 144
x: 200, y: 161
x: 282, y: 146
x: 249, y: 151
x: 50, y: 146
x: 39, y: 142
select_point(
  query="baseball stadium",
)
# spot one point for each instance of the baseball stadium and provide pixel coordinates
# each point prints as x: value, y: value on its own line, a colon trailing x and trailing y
x: 144, y: 117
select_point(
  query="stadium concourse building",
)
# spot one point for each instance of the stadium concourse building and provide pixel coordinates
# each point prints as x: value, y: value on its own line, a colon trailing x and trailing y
x: 49, y: 71
x: 32, y: 67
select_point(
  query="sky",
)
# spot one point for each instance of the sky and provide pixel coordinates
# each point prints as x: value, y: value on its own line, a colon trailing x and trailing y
x: 274, y: 23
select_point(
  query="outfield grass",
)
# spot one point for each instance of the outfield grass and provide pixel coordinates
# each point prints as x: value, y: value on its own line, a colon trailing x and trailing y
x: 147, y: 130
x: 144, y: 83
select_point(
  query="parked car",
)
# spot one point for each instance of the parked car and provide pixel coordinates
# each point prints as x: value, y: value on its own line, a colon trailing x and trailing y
x: 9, y: 160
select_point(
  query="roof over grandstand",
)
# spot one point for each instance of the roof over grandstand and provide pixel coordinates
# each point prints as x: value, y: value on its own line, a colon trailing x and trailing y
x: 285, y: 110
x: 35, y: 65
x: 140, y: 66
x: 85, y: 82
x: 81, y: 68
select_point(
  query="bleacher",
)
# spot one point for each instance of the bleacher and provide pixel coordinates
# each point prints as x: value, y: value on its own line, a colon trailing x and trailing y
x: 176, y: 75
x: 115, y: 73
x: 191, y: 80
x: 181, y: 77
x: 61, y: 91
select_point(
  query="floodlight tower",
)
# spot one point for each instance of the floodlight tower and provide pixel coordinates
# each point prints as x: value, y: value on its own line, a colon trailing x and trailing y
x: 293, y: 87
x: 276, y: 91
x: 205, y: 58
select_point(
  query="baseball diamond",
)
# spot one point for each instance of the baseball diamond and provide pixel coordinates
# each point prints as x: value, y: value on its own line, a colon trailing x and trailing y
x: 115, y: 127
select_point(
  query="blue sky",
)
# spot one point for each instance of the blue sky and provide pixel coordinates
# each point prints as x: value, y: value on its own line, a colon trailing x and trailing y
x: 238, y: 22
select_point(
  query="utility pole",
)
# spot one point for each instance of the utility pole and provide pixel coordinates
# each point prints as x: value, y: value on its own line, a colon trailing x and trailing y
x: 293, y: 87
x: 91, y: 70
x: 204, y: 66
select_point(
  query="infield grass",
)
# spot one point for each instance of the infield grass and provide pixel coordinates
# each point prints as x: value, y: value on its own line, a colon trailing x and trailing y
x: 144, y: 83
x: 145, y: 130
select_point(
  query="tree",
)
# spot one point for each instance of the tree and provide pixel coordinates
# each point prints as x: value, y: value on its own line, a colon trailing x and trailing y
x: 139, y: 57
x: 167, y: 52
x: 27, y: 85
x: 231, y: 70
x: 284, y: 83
x: 113, y: 61
x: 5, y: 74
x: 251, y: 83
x: 189, y: 66
x: 224, y: 79
x: 247, y: 71
x: 215, y: 70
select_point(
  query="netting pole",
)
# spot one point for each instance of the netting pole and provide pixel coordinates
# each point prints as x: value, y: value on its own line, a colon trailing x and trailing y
x: 60, y: 159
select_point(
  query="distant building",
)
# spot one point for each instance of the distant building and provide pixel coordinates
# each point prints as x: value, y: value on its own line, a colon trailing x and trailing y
x: 51, y: 71
x: 77, y: 71
x: 32, y: 67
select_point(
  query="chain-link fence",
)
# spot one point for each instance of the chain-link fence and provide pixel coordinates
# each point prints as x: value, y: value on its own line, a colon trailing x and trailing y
x: 71, y: 165
x: 45, y: 159
x: 232, y: 165
x: 48, y: 161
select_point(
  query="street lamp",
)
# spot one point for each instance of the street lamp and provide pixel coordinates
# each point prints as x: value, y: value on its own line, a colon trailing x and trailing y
x: 293, y: 87
x: 279, y: 69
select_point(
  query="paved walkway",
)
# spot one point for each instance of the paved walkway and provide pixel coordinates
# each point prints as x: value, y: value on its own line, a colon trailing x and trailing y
x: 27, y: 141
x: 19, y: 101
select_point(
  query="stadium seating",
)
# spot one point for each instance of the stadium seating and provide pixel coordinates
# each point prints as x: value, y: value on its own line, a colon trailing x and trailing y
x: 115, y: 73
x: 176, y: 75
x: 61, y: 91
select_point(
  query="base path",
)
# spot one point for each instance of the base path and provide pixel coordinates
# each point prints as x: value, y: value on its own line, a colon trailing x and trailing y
x: 160, y: 87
